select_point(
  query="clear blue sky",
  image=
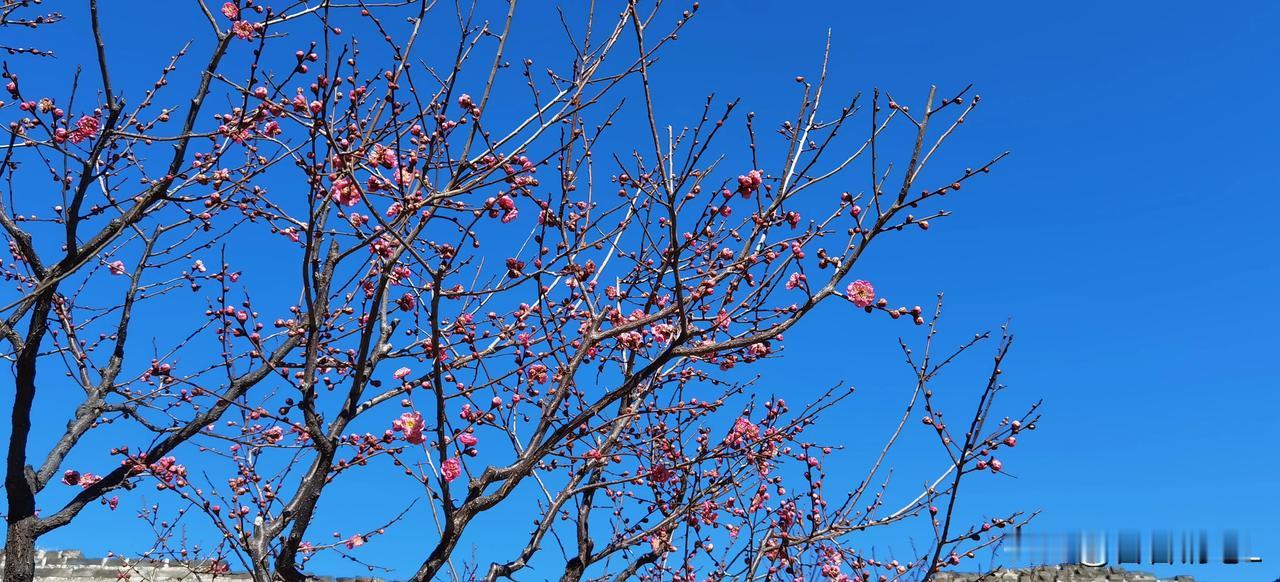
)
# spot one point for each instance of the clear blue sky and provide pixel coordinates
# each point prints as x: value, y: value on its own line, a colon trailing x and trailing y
x: 1128, y: 236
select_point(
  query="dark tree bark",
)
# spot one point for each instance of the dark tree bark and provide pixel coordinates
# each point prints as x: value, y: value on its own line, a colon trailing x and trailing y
x: 20, y: 551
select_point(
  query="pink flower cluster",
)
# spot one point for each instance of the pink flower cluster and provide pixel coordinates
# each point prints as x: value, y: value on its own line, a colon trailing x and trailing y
x: 537, y: 373
x: 410, y: 423
x: 861, y: 293
x: 384, y: 156
x: 631, y: 340
x: 503, y: 206
x: 75, y: 478
x: 664, y: 332
x: 470, y: 414
x: 273, y: 435
x: 830, y: 559
x: 243, y: 29
x: 86, y: 127
x: 345, y: 192
x: 451, y: 469
x: 744, y: 432
x: 660, y: 473
x: 748, y: 184
x: 169, y: 472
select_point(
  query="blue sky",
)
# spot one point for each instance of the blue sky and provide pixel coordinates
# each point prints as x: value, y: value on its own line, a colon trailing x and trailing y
x: 1127, y: 237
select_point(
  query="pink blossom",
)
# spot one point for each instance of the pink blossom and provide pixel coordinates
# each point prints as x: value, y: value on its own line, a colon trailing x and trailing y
x: 537, y: 373
x: 660, y: 541
x: 451, y: 468
x: 831, y: 559
x: 660, y: 473
x: 87, y: 126
x: 345, y: 191
x: 708, y: 512
x: 230, y: 10
x: 664, y: 332
x: 238, y: 135
x: 795, y: 280
x: 274, y: 434
x: 467, y: 439
x: 384, y: 156
x: 116, y: 268
x: 861, y: 293
x: 631, y: 340
x: 749, y: 183
x: 169, y: 471
x: 744, y: 432
x: 401, y: 273
x: 355, y: 541
x: 401, y: 373
x: 88, y: 479
x: 243, y: 29
x: 410, y: 423
x: 723, y: 320
x: 758, y: 349
x: 71, y: 478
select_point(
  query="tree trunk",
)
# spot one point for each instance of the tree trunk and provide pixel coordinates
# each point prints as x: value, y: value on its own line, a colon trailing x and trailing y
x: 19, y: 479
x: 573, y: 570
x: 20, y: 551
